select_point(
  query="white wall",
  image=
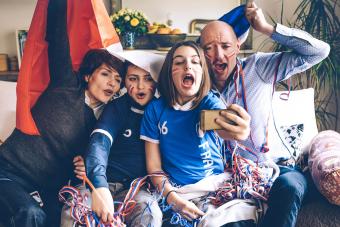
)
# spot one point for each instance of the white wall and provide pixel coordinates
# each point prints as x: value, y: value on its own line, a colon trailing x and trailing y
x: 14, y: 14
x: 17, y: 14
x: 181, y: 12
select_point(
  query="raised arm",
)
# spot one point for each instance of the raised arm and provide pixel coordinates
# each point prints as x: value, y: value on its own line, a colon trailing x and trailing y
x: 306, y: 51
x: 59, y: 58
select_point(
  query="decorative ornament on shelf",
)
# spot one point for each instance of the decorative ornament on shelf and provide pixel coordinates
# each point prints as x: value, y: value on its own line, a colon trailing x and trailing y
x: 129, y: 24
x: 164, y: 37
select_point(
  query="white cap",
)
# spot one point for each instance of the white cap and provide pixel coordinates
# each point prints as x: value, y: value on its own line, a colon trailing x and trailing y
x: 148, y: 61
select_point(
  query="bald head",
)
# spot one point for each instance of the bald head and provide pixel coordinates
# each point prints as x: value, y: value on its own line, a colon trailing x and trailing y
x: 215, y: 30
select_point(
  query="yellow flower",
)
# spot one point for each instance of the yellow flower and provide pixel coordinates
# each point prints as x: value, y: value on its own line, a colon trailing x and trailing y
x: 134, y: 22
x: 130, y: 20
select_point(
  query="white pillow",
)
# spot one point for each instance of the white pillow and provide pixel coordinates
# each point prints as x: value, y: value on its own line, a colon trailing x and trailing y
x: 8, y: 99
x: 298, y: 109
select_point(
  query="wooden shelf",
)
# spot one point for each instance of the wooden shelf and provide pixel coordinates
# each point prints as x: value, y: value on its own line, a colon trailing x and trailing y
x: 13, y: 75
x: 9, y: 76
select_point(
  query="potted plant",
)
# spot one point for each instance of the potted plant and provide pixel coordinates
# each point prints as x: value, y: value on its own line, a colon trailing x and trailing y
x: 318, y: 17
x: 129, y: 24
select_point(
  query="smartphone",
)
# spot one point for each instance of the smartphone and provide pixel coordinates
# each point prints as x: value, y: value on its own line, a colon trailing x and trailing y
x: 207, y: 119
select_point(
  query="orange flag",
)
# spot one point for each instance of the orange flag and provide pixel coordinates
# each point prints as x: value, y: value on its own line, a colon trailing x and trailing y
x: 88, y: 26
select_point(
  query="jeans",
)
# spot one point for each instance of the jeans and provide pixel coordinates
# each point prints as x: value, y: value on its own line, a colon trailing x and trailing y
x: 18, y: 208
x: 285, y: 198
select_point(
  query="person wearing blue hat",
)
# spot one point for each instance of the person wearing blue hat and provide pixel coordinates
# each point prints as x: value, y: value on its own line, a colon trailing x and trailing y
x: 250, y: 83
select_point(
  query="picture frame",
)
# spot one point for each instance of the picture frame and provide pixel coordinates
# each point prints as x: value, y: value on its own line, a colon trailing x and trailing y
x: 115, y: 6
x: 197, y: 25
x: 20, y: 36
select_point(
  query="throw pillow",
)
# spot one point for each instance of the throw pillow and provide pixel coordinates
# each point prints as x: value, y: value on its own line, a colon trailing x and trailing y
x: 293, y: 138
x: 324, y: 164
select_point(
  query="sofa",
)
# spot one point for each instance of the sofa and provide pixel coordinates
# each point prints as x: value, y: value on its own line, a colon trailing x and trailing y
x: 316, y: 211
x: 298, y: 109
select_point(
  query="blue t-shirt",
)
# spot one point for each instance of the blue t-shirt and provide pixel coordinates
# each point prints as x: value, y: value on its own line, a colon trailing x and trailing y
x: 188, y: 154
x: 116, y: 153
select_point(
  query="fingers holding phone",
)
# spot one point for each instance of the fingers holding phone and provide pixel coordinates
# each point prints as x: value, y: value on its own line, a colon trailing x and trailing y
x: 241, y: 118
x: 240, y: 129
x: 209, y: 117
x: 232, y: 123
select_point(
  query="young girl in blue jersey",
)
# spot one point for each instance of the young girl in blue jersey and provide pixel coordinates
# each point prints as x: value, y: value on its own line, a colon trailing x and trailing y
x: 174, y: 142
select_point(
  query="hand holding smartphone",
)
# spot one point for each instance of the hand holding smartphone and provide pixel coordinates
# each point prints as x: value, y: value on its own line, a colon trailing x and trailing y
x: 207, y: 119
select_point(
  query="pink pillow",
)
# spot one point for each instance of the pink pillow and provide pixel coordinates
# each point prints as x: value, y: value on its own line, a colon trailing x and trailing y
x: 324, y: 164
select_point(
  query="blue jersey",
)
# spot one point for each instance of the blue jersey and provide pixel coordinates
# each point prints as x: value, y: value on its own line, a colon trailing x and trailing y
x: 116, y: 153
x: 188, y: 154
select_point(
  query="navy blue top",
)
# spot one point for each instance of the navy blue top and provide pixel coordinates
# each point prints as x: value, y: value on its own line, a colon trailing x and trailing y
x: 116, y: 153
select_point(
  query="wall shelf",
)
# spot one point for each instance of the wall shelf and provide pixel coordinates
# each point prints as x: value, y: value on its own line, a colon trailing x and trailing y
x: 9, y: 76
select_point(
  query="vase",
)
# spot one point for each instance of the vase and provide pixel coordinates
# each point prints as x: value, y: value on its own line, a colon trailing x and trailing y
x: 129, y: 40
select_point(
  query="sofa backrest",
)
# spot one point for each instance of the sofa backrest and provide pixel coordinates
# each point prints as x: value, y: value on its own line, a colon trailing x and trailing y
x: 8, y: 99
x: 292, y: 121
x: 297, y: 110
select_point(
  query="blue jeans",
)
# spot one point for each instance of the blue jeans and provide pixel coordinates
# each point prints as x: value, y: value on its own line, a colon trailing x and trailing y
x: 18, y: 208
x: 285, y: 198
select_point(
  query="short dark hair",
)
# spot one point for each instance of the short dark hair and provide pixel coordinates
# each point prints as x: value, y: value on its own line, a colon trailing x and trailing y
x: 126, y: 66
x: 166, y: 85
x: 94, y: 58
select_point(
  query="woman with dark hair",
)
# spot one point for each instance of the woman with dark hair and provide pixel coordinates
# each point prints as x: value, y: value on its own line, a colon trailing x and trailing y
x: 34, y: 167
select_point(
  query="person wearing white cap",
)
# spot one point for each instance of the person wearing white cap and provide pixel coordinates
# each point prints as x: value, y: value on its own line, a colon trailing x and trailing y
x: 115, y: 153
x: 250, y: 83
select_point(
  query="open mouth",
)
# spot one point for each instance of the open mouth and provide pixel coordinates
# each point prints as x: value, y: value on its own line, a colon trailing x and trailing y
x: 108, y: 92
x: 140, y: 95
x: 220, y: 67
x: 188, y: 80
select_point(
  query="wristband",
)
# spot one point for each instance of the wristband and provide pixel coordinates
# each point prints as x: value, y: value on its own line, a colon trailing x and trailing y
x: 167, y: 194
